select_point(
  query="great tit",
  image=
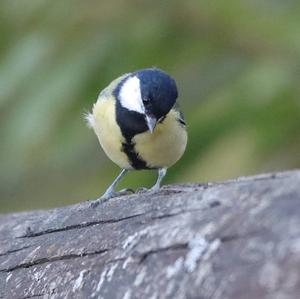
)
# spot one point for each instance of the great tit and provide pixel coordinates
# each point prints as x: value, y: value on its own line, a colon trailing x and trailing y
x: 139, y: 125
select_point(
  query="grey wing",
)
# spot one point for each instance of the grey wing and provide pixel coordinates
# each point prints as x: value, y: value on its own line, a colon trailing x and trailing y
x: 105, y: 94
x: 107, y: 91
x: 180, y: 119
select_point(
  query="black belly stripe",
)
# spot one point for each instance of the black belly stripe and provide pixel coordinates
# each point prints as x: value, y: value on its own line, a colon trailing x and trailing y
x: 134, y: 159
x: 131, y: 123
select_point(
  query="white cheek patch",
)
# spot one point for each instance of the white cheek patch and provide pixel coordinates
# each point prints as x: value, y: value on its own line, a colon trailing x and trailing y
x: 130, y: 95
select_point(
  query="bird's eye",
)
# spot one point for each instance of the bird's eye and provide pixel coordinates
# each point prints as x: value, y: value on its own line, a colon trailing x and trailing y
x: 146, y: 101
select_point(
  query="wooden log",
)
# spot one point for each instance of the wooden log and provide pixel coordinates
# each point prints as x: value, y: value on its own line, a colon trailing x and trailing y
x: 233, y: 239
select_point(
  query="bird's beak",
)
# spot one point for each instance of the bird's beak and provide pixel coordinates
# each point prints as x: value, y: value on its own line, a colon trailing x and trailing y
x: 151, y: 122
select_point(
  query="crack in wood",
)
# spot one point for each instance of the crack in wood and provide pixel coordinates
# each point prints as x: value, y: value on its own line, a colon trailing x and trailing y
x: 250, y: 179
x: 234, y: 237
x: 146, y: 254
x: 35, y: 296
x: 45, y: 260
x: 187, y: 211
x: 31, y: 234
x: 15, y: 250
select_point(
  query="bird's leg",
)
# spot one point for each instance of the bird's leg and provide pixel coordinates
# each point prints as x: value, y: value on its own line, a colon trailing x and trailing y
x: 161, y: 174
x: 110, y: 192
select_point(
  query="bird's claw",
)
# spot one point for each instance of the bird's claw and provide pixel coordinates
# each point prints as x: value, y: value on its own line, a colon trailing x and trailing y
x: 105, y: 197
x: 141, y: 190
x: 150, y: 190
x: 125, y: 191
x: 94, y: 203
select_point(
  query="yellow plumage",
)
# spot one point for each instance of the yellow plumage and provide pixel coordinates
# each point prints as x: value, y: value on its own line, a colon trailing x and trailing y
x: 162, y: 148
x: 108, y: 131
x: 165, y: 146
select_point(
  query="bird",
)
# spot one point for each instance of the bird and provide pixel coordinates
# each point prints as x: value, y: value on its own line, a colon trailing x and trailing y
x: 139, y: 124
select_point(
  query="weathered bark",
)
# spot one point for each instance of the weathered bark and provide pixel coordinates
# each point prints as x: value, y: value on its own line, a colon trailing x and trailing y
x: 236, y: 239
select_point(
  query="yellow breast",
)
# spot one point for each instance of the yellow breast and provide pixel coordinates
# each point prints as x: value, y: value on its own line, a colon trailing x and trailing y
x: 165, y: 146
x: 108, y: 132
x: 162, y: 148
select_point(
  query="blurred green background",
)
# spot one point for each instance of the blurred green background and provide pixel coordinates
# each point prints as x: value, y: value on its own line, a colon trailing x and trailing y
x: 237, y: 65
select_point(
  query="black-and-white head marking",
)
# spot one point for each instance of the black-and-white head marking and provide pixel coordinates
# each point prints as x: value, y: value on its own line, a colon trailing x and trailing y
x: 148, y: 92
x: 144, y: 95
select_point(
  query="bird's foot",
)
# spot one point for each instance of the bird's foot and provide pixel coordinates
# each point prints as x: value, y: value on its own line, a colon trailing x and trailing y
x: 126, y: 191
x: 150, y: 190
x: 154, y: 188
x: 141, y: 190
x: 108, y: 195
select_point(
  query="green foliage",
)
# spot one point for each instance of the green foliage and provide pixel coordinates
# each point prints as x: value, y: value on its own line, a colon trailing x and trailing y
x: 236, y: 64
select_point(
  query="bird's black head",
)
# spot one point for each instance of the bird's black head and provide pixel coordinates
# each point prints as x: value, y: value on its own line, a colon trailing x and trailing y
x: 144, y: 97
x: 158, y: 91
